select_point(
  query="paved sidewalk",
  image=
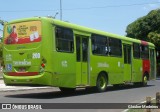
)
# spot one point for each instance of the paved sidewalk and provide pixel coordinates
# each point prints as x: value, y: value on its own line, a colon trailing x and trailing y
x: 4, y: 88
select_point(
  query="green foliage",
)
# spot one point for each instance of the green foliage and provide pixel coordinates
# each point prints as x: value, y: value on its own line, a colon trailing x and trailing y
x: 9, y: 29
x: 146, y: 28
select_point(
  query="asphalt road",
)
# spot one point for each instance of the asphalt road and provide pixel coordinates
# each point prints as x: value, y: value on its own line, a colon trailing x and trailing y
x: 123, y: 94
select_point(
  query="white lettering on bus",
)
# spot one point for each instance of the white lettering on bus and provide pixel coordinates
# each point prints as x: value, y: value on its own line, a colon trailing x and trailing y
x: 103, y: 65
x: 91, y: 68
x: 8, y: 57
x: 24, y: 62
x: 64, y: 63
x: 119, y: 64
x: 36, y: 55
x: 140, y: 68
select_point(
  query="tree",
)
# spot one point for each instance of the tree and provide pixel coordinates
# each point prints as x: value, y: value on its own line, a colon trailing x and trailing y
x: 146, y: 28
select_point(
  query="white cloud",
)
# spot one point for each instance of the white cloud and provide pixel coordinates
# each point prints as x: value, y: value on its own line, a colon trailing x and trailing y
x: 149, y: 7
x: 145, y: 8
x: 153, y: 5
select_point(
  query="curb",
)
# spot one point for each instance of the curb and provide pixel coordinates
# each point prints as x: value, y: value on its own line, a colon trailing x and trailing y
x: 22, y: 89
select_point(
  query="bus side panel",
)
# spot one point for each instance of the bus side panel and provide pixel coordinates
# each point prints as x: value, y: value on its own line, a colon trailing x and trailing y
x: 116, y: 70
x: 47, y: 48
x: 95, y: 62
x: 64, y: 70
x: 63, y: 66
x: 136, y: 70
x: 111, y: 65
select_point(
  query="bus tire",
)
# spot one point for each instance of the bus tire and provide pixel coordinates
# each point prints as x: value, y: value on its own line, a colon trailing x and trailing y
x: 144, y: 80
x: 143, y: 83
x: 102, y: 82
x: 67, y: 90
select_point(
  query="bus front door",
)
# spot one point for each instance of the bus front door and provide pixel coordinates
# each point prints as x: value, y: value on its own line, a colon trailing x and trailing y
x: 82, y: 60
x: 127, y: 63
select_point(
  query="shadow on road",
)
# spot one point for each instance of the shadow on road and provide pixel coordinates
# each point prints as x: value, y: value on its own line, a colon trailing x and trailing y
x: 58, y: 94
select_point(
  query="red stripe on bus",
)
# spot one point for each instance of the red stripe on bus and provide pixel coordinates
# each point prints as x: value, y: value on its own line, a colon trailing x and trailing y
x: 22, y: 73
x: 146, y: 66
x: 144, y: 42
x: 23, y: 40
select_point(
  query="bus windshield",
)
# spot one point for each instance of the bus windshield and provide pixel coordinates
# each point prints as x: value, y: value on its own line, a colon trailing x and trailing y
x: 22, y: 33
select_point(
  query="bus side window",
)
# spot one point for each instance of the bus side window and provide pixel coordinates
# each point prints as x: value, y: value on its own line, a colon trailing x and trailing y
x: 64, y: 39
x: 93, y: 46
x: 99, y: 45
x: 85, y: 49
x: 115, y: 47
x: 144, y: 52
x: 136, y: 50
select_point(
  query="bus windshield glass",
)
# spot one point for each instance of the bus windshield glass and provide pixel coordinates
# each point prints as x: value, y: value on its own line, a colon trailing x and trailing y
x: 23, y: 32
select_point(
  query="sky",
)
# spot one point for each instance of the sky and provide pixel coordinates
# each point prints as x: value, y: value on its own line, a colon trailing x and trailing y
x: 108, y: 15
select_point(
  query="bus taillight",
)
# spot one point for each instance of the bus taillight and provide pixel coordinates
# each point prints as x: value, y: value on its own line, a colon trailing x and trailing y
x: 43, y: 65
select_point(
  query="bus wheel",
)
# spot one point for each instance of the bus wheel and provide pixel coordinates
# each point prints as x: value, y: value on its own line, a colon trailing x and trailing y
x: 67, y: 90
x: 145, y: 79
x: 101, y: 82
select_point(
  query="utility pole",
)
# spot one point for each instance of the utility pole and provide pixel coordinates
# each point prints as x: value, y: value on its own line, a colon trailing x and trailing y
x: 60, y: 9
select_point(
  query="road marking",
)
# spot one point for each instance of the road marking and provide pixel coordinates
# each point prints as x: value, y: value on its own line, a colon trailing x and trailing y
x: 126, y: 110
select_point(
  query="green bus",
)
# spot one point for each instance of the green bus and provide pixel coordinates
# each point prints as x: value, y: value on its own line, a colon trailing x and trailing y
x: 49, y: 52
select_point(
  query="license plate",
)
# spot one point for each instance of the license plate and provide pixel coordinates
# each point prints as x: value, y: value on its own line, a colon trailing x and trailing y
x: 22, y: 69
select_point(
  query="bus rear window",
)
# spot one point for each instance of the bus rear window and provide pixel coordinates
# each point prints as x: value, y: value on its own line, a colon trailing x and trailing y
x: 24, y: 32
